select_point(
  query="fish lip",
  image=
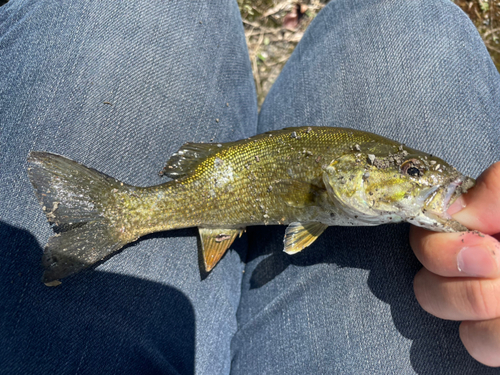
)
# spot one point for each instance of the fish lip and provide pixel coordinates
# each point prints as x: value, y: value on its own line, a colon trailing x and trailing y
x: 438, y: 214
x: 450, y: 195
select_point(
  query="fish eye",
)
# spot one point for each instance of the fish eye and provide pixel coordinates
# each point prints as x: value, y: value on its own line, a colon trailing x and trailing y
x: 412, y: 168
x: 413, y: 171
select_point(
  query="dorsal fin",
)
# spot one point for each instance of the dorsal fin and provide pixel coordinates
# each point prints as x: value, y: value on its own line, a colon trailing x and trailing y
x: 189, y: 156
x: 215, y: 242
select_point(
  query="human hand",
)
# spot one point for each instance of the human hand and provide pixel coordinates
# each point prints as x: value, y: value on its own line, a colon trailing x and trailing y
x: 461, y: 275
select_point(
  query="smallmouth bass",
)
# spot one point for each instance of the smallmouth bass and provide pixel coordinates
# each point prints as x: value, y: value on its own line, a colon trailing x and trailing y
x: 308, y: 178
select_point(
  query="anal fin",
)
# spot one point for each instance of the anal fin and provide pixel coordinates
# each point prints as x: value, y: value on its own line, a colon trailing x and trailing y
x: 298, y: 236
x: 215, y: 242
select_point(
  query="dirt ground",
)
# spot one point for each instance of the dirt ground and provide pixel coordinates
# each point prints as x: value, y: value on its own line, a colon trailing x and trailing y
x: 274, y: 27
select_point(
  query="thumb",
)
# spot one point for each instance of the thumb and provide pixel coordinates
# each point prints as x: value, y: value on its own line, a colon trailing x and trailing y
x: 479, y: 209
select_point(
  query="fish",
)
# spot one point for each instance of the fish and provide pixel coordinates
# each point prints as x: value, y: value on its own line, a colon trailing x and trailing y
x: 307, y: 178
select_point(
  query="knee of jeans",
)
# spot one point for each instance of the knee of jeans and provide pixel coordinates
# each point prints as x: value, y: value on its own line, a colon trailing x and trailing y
x: 374, y: 49
x: 437, y: 17
x: 429, y: 30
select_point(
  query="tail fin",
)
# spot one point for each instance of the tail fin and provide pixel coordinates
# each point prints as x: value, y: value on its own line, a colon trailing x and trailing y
x: 71, y: 193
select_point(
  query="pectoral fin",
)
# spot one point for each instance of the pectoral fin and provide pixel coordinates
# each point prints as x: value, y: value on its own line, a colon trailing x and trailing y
x: 215, y: 242
x: 298, y: 236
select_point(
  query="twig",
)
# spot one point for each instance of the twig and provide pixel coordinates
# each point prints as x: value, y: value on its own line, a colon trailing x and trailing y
x: 255, y: 67
x: 256, y: 25
x: 492, y: 48
x: 491, y: 31
x: 275, y: 10
x: 264, y: 31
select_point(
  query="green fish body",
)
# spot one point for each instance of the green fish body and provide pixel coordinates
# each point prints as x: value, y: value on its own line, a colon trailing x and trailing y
x: 307, y: 178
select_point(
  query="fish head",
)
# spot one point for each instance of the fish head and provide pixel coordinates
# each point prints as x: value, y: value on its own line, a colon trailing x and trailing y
x: 403, y: 185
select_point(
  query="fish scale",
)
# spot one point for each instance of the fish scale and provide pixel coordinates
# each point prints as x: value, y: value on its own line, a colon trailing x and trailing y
x: 307, y: 178
x: 281, y: 158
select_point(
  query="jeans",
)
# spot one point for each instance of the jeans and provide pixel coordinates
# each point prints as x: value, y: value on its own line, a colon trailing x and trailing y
x: 120, y: 86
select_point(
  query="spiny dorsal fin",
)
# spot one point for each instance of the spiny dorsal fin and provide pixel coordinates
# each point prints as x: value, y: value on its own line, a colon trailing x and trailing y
x: 189, y: 156
x: 215, y: 242
x: 298, y: 236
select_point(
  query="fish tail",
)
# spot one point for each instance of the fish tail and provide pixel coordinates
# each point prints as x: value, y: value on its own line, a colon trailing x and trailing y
x: 74, y: 198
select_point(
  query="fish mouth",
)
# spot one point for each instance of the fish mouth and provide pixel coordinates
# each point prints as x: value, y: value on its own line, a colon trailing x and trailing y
x: 435, y: 214
x: 439, y: 199
x: 455, y: 189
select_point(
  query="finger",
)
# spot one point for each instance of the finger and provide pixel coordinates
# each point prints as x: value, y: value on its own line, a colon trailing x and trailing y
x: 468, y: 254
x: 456, y: 298
x: 480, y: 208
x: 482, y: 340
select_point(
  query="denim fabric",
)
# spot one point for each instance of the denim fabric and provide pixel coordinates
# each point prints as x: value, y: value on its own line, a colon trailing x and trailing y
x: 174, y: 72
x: 178, y: 71
x: 415, y: 71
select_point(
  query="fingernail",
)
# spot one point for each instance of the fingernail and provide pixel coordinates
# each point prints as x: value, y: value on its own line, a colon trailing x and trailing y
x: 457, y: 206
x: 477, y: 261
